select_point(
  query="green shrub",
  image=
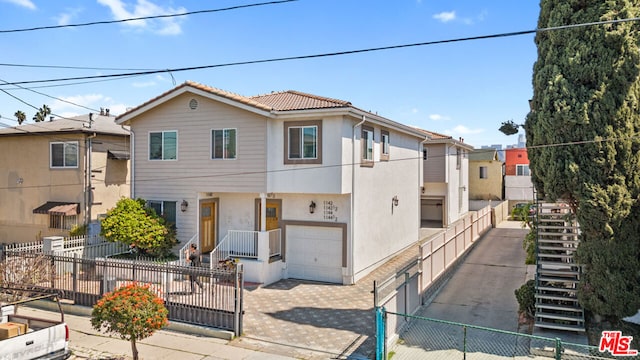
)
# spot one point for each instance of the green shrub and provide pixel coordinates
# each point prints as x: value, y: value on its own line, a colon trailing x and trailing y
x: 526, y: 297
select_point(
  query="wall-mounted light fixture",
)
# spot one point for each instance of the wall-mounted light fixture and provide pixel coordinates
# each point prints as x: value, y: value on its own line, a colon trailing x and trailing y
x: 184, y: 205
x: 394, y: 202
x: 312, y: 207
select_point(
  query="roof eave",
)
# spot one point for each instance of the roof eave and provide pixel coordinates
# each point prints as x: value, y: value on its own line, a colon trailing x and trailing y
x: 125, y: 118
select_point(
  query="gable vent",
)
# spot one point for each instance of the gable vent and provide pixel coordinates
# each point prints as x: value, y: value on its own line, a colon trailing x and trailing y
x: 193, y: 104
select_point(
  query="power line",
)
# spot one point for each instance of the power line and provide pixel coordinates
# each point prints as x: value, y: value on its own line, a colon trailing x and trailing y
x: 144, y: 17
x: 72, y: 67
x: 319, y: 167
x: 338, y: 53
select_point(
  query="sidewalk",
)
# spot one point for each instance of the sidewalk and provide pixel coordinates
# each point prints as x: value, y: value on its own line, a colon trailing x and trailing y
x: 87, y: 343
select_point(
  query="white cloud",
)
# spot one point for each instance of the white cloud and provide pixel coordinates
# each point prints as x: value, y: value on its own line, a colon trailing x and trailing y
x: 438, y: 117
x: 65, y: 18
x: 24, y: 3
x: 463, y: 130
x: 445, y: 16
x: 144, y: 8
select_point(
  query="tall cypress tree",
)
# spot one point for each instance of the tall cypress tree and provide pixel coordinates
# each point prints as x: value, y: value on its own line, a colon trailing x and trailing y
x: 583, y: 134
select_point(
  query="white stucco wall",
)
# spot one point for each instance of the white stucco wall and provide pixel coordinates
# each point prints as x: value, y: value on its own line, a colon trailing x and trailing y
x: 309, y: 178
x: 380, y: 229
x: 518, y: 187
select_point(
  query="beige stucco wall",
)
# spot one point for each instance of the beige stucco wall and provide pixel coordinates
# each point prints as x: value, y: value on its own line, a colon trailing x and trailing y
x: 29, y: 182
x: 489, y: 188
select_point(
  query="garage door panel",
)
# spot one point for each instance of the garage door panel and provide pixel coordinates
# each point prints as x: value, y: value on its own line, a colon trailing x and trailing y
x: 314, y: 253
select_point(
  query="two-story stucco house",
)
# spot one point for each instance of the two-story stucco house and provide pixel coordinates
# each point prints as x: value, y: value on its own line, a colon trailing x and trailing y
x: 517, y: 180
x: 445, y: 189
x: 60, y: 173
x: 294, y: 185
x: 486, y: 175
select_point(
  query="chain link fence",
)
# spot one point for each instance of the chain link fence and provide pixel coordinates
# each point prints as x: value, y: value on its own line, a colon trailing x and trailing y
x: 426, y: 339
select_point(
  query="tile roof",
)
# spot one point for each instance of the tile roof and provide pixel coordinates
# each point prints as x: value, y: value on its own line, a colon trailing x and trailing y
x: 435, y: 135
x: 295, y: 100
x: 76, y: 124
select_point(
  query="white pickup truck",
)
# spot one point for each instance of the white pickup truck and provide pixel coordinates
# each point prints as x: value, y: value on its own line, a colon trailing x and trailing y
x: 24, y: 337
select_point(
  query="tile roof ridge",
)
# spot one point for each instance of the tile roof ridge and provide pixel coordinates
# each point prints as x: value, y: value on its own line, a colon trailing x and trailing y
x: 300, y: 93
x: 228, y: 94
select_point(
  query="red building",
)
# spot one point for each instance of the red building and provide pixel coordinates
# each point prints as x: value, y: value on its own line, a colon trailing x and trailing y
x: 516, y: 162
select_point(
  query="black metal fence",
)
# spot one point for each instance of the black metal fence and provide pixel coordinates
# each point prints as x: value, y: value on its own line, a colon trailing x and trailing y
x: 216, y: 302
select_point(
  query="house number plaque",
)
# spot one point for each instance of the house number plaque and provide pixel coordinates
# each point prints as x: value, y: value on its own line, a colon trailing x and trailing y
x: 330, y: 210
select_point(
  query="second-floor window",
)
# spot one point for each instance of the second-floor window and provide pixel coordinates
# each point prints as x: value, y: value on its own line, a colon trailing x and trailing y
x: 458, y: 159
x: 483, y: 172
x: 64, y: 154
x: 522, y: 170
x: 384, y: 145
x: 223, y: 144
x: 163, y: 145
x: 303, y: 142
x: 367, y: 145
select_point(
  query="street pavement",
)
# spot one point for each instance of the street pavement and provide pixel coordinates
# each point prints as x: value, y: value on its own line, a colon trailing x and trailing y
x: 186, y: 344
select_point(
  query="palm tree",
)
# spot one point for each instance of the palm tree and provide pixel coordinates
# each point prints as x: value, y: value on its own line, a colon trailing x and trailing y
x: 20, y: 115
x: 42, y: 113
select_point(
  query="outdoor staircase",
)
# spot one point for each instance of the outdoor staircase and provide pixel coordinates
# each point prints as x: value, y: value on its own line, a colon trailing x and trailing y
x: 557, y: 273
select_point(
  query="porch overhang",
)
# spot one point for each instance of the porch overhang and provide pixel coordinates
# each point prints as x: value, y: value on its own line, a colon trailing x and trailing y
x: 58, y: 208
x: 118, y: 155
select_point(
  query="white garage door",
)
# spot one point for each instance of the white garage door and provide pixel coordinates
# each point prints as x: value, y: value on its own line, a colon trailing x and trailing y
x: 314, y: 253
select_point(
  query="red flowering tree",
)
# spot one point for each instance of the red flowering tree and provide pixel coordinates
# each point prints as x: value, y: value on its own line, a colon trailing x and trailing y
x: 132, y: 311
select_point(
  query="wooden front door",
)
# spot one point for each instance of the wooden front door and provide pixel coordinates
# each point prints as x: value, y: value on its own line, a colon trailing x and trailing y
x: 273, y: 215
x: 207, y: 226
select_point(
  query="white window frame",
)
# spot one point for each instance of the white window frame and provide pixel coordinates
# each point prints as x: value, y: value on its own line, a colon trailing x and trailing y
x: 65, y: 145
x: 163, y: 147
x: 368, y: 139
x: 520, y: 170
x: 301, y: 143
x: 225, y: 142
x: 385, y: 145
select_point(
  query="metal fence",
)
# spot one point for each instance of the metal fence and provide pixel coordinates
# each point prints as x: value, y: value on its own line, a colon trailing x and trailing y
x: 425, y: 338
x: 217, y: 303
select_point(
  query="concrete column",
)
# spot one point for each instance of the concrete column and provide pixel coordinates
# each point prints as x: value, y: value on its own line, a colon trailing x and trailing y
x: 263, y: 212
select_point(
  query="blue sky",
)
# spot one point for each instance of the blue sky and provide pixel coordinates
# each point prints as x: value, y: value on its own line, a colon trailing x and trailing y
x: 464, y: 89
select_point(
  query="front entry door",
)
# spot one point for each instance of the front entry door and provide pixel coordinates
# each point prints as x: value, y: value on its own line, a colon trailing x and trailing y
x: 273, y: 215
x: 207, y: 226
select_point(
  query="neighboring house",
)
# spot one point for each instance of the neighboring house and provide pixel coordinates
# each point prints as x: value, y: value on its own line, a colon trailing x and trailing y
x: 312, y: 181
x: 517, y: 179
x: 445, y: 188
x: 486, y: 174
x: 51, y: 184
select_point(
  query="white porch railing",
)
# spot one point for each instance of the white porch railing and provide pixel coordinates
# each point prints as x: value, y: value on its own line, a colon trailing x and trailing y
x: 183, y: 250
x: 275, y: 242
x: 246, y: 244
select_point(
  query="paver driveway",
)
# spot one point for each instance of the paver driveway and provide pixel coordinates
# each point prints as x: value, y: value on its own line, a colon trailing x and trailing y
x: 311, y: 320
